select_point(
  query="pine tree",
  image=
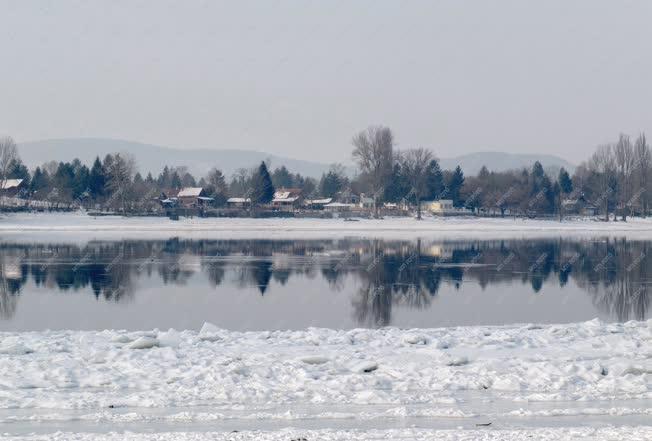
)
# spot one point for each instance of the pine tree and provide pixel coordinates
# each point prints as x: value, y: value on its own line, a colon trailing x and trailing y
x: 435, y: 181
x: 455, y: 186
x: 282, y: 178
x: 97, y: 179
x: 262, y: 188
x: 18, y: 170
x: 40, y: 181
x: 565, y: 182
x: 175, y: 180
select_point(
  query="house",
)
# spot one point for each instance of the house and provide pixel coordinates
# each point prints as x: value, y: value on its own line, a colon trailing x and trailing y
x: 287, y: 198
x: 347, y: 197
x: 366, y: 202
x: 11, y: 187
x: 238, y: 202
x: 579, y: 207
x: 193, y: 197
x: 339, y: 207
x: 440, y: 206
x: 444, y: 207
x: 317, y: 204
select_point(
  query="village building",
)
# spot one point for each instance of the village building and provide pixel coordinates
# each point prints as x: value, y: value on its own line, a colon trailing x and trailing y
x: 339, y: 207
x: 579, y: 207
x: 317, y: 204
x: 238, y: 202
x: 193, y: 197
x: 444, y: 207
x: 11, y: 187
x: 287, y: 198
x: 347, y: 197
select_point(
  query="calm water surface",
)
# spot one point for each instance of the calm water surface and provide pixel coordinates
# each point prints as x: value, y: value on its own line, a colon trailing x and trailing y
x: 345, y: 283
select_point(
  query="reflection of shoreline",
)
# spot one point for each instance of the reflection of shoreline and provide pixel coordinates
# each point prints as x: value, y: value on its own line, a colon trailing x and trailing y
x: 391, y: 272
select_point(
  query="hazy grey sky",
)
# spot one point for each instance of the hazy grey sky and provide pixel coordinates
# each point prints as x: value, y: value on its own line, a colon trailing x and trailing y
x: 298, y: 78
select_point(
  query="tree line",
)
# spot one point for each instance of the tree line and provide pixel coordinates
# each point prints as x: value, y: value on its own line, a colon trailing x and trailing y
x: 615, y: 179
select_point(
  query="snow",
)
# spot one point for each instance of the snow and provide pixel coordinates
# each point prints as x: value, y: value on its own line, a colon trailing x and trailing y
x: 80, y: 224
x: 406, y: 434
x: 98, y: 370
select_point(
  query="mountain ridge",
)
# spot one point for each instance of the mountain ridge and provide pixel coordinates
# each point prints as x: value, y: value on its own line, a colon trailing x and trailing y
x: 152, y: 158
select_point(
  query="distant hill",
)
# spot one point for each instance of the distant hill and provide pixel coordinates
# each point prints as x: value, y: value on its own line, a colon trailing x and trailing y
x: 499, y: 161
x: 152, y: 158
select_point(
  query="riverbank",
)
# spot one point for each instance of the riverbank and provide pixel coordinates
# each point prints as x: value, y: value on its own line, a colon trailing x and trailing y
x: 80, y: 225
x: 628, y: 433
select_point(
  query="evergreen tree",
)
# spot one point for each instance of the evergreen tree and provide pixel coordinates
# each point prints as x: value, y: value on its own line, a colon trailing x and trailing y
x: 330, y: 184
x: 188, y: 180
x: 434, y: 181
x: 307, y: 185
x: 483, y: 174
x: 40, y: 182
x: 397, y: 187
x: 282, y: 178
x: 81, y: 181
x: 562, y: 188
x: 262, y: 188
x: 175, y: 180
x: 455, y: 186
x: 63, y: 181
x: 164, y: 179
x: 97, y: 179
x: 18, y: 170
x: 565, y: 182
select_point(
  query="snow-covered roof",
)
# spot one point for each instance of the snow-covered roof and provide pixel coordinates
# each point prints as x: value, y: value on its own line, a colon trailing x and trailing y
x: 190, y: 192
x: 287, y: 193
x: 319, y: 201
x: 286, y: 199
x: 339, y: 205
x: 238, y: 200
x: 8, y: 184
x: 204, y: 198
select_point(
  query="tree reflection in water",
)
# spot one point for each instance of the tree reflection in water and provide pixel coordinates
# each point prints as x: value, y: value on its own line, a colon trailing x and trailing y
x: 615, y: 273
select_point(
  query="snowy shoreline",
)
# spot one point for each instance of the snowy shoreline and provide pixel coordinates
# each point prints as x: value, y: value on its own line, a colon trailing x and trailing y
x: 628, y: 433
x: 100, y: 370
x: 84, y: 226
x: 590, y: 379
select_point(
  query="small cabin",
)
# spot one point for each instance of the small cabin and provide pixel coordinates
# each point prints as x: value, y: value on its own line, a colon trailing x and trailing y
x: 11, y: 187
x: 238, y: 202
x: 193, y: 197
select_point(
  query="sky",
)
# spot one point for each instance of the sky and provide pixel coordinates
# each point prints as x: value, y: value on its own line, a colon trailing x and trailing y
x: 300, y: 78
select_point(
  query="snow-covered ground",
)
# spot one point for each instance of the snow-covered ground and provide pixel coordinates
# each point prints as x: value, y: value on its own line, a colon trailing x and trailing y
x: 524, y: 379
x: 51, y: 225
x: 539, y: 434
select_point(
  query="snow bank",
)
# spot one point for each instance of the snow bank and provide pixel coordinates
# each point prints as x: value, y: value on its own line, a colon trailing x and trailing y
x: 85, y: 226
x: 406, y: 434
x: 119, y: 369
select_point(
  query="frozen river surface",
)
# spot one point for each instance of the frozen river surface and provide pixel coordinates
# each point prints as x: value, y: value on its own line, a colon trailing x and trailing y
x: 519, y: 378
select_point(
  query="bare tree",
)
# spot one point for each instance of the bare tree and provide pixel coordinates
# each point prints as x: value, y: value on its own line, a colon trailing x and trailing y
x: 415, y: 167
x: 642, y: 168
x: 8, y: 154
x: 373, y: 151
x: 121, y: 172
x: 624, y: 157
x: 602, y: 163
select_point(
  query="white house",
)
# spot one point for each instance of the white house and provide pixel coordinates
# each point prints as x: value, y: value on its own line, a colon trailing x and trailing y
x: 443, y: 207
